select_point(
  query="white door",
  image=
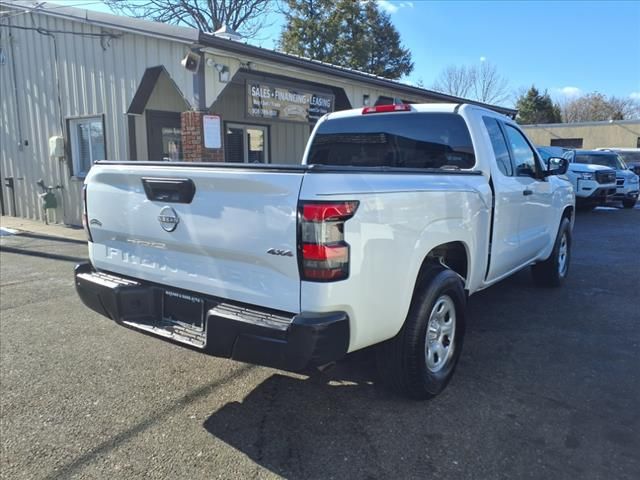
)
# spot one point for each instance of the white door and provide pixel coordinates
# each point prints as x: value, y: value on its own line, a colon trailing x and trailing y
x: 508, y: 202
x: 535, y: 214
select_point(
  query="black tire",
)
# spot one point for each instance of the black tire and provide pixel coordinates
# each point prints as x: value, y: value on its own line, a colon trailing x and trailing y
x: 554, y: 270
x: 402, y: 361
x: 629, y: 202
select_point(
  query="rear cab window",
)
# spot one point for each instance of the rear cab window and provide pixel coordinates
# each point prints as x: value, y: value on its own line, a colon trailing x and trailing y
x: 404, y: 140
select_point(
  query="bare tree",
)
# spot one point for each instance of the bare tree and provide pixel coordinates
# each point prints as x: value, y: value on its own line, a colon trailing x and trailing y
x: 597, y: 107
x: 489, y: 85
x: 246, y: 17
x: 458, y: 81
x: 482, y: 83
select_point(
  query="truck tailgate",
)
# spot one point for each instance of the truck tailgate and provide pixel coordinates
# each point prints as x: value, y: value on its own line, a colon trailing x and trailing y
x: 216, y: 244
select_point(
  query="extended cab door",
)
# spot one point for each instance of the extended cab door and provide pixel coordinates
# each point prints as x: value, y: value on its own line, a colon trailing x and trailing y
x: 535, y: 207
x: 508, y: 201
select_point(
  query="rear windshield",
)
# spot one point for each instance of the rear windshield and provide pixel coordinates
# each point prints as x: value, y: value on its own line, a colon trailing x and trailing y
x: 405, y: 140
x: 611, y: 160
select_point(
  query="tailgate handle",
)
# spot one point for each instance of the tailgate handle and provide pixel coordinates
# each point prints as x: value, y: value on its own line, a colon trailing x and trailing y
x: 171, y: 190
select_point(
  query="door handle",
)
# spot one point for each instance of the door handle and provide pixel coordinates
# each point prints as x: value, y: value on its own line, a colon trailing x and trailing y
x: 171, y: 190
x: 527, y: 192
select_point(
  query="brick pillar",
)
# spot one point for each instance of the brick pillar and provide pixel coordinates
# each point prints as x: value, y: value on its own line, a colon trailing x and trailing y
x: 193, y: 149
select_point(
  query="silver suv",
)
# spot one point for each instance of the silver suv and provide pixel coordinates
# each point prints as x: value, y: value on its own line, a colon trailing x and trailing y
x: 627, y: 188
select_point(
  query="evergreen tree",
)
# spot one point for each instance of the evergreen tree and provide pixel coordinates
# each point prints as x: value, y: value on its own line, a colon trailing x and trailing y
x: 347, y: 33
x: 534, y: 108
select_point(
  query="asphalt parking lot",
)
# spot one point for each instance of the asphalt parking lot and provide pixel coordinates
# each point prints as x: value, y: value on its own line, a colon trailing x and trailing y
x: 548, y: 386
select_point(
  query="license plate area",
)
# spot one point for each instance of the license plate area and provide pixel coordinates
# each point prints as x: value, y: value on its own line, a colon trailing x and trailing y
x: 183, y: 318
x: 183, y: 309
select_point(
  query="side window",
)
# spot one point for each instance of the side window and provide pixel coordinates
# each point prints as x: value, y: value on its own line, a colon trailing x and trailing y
x: 86, y: 137
x: 523, y: 156
x: 499, y: 145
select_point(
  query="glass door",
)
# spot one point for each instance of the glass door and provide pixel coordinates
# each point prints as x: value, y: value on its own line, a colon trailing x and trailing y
x: 246, y: 144
x: 164, y: 135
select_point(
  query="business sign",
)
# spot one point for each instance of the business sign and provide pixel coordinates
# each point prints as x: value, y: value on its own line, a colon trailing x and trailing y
x: 284, y: 103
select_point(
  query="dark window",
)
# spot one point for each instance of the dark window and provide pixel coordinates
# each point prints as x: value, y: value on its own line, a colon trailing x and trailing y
x: 87, y: 143
x: 234, y: 145
x: 523, y: 155
x: 405, y: 140
x: 607, y: 160
x: 499, y: 145
x: 638, y: 142
x: 566, y: 142
x: 382, y: 100
x: 164, y: 137
x: 630, y: 156
x: 246, y: 143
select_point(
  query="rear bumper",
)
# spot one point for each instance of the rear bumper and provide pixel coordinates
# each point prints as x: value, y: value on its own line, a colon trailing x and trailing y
x: 229, y: 330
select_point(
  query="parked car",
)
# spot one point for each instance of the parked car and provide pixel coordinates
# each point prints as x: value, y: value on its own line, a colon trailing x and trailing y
x: 593, y: 184
x: 627, y: 183
x: 631, y: 157
x: 393, y: 218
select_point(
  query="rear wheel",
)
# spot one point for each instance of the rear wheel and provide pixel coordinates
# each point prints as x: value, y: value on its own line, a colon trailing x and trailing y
x: 421, y: 359
x: 629, y: 202
x: 553, y: 271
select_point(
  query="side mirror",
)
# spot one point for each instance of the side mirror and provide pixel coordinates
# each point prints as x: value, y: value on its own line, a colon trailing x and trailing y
x: 556, y: 166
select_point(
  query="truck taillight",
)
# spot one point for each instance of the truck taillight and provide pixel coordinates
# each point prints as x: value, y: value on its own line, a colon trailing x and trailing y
x: 323, y: 253
x: 85, y: 218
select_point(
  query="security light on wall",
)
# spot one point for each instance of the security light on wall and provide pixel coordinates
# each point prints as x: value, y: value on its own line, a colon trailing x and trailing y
x: 223, y: 72
x: 365, y: 100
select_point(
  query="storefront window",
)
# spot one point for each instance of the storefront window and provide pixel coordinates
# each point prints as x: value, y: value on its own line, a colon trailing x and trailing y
x: 255, y: 141
x: 246, y: 144
x: 171, y: 143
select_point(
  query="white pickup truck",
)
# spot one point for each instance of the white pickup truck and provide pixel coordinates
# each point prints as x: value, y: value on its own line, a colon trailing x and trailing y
x: 396, y: 214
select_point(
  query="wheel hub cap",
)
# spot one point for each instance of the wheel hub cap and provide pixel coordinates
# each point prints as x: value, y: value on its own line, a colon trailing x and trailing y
x: 441, y: 330
x: 562, y: 255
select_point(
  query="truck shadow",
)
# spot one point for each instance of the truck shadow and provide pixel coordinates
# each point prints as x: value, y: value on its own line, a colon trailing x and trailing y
x: 342, y: 423
x: 527, y: 382
x: 313, y: 427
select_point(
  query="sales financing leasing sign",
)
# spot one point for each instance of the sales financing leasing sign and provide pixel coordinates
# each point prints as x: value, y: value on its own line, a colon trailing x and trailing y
x: 283, y: 103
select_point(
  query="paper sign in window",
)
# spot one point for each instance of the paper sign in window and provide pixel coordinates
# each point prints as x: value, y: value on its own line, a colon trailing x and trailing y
x: 211, y: 127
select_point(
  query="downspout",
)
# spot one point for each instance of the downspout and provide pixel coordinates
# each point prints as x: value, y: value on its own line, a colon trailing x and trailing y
x: 15, y: 87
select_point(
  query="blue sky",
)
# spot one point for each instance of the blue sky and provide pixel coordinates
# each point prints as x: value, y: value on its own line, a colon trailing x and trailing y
x: 568, y: 47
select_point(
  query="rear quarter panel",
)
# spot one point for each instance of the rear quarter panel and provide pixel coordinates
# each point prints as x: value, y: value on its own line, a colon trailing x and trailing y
x: 400, y: 219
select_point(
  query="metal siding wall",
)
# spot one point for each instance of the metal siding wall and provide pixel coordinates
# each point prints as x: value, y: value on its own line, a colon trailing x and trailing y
x: 93, y: 81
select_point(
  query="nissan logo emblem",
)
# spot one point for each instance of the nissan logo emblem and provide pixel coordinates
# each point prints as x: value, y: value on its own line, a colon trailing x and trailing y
x: 168, y: 219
